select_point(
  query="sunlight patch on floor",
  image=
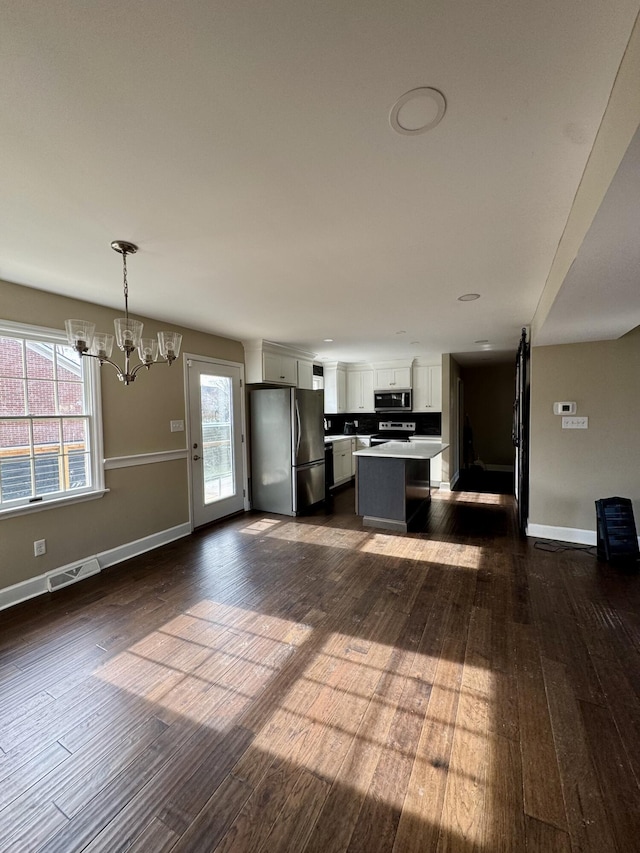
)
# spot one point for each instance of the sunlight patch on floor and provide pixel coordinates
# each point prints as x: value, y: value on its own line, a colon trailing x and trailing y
x: 331, y: 702
x: 319, y: 534
x: 212, y: 645
x: 258, y: 527
x: 478, y: 498
x: 377, y: 544
x: 425, y: 550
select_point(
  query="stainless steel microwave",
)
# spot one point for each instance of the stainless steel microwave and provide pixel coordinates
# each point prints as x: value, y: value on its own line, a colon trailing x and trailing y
x: 392, y: 401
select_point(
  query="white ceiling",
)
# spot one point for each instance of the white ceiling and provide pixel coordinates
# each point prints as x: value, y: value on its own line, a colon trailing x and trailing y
x: 246, y: 148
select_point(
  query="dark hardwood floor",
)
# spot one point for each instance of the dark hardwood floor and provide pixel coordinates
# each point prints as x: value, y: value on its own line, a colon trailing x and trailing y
x: 307, y: 685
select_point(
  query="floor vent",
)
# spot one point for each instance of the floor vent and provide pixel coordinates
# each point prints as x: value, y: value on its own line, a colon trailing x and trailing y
x: 71, y: 574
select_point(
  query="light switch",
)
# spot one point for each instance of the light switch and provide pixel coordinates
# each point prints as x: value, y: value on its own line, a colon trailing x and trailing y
x: 575, y: 423
x: 177, y: 426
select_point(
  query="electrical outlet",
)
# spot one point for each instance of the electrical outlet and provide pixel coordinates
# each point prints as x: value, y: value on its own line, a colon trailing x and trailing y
x: 575, y: 423
x: 177, y: 426
x: 39, y: 547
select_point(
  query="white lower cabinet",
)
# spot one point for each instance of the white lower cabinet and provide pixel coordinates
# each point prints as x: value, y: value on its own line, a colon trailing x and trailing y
x: 436, y: 463
x: 360, y: 444
x: 343, y: 460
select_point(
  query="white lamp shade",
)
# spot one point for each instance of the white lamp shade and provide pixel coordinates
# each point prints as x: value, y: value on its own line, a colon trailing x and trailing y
x: 102, y: 345
x: 148, y: 350
x: 128, y: 332
x: 169, y: 345
x: 80, y: 334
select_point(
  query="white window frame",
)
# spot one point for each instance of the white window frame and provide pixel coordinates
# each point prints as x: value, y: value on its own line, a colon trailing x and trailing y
x: 93, y: 402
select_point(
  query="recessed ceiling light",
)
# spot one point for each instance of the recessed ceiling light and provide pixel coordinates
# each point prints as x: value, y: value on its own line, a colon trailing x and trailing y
x: 401, y: 332
x: 417, y: 111
x: 481, y: 342
x: 328, y: 340
x: 415, y: 343
x: 468, y: 297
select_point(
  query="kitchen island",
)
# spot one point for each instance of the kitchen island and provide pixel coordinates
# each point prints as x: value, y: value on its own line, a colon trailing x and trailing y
x: 393, y: 483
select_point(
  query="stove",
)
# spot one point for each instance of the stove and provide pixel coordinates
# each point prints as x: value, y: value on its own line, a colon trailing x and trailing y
x: 393, y: 431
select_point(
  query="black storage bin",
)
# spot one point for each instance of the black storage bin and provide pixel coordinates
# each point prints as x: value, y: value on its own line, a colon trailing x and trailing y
x: 617, y: 537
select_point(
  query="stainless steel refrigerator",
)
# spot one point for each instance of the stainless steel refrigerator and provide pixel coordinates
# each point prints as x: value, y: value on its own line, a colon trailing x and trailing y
x: 287, y: 449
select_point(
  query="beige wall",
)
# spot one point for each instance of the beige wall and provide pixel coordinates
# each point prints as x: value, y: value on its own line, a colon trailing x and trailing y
x: 570, y: 469
x: 142, y: 500
x: 489, y: 392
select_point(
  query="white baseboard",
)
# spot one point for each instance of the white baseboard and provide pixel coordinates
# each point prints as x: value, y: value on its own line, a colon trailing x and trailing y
x: 11, y: 595
x: 141, y: 546
x: 447, y: 485
x: 562, y: 534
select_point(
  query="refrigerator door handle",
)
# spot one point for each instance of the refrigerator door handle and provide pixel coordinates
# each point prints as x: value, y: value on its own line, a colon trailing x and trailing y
x: 298, y: 429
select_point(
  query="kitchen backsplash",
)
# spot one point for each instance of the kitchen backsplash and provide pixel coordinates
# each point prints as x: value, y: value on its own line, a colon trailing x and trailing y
x: 429, y: 423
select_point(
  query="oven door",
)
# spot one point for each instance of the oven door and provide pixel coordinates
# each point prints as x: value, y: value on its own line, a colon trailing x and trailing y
x: 392, y: 401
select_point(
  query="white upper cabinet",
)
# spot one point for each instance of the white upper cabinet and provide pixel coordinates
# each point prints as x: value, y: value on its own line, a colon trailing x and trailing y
x: 305, y: 374
x: 268, y: 362
x: 335, y: 389
x: 279, y: 368
x: 427, y: 388
x: 392, y: 378
x: 360, y: 391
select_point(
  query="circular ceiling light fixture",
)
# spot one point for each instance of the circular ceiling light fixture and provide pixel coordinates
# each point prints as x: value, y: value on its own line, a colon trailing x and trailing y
x: 327, y: 340
x: 468, y: 297
x: 417, y: 111
x: 401, y: 332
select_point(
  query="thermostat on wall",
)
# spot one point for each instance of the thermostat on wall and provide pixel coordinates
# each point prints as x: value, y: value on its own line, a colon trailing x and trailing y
x: 564, y: 408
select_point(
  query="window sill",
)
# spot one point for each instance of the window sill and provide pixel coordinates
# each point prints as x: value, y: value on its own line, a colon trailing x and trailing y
x: 54, y: 503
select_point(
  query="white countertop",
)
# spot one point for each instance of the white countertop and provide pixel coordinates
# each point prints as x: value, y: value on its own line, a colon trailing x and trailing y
x: 404, y: 450
x: 340, y: 436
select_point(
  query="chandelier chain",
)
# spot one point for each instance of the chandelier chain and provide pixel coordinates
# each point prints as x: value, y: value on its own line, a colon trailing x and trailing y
x: 126, y: 285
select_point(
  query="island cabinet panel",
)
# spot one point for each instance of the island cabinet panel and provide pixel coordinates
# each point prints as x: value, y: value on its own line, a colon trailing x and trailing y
x: 381, y: 488
x: 392, y: 492
x: 427, y: 388
x: 360, y: 391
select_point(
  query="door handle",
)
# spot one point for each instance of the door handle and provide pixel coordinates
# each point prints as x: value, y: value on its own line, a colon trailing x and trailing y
x: 196, y: 457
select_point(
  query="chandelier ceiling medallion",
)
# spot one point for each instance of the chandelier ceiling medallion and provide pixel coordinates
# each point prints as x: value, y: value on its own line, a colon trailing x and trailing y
x: 84, y: 339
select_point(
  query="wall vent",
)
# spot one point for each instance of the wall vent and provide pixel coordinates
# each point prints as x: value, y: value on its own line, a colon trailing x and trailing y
x: 70, y: 574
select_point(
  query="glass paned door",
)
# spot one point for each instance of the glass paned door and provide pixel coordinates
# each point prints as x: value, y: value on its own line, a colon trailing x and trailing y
x: 217, y: 464
x: 216, y: 417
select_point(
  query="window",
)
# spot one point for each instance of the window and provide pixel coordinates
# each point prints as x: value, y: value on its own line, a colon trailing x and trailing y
x: 50, y: 429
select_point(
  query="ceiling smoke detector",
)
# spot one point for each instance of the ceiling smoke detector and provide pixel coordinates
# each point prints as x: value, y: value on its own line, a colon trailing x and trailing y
x: 417, y: 111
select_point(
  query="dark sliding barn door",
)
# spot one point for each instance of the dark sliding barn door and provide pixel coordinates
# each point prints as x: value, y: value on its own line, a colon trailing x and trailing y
x: 520, y: 432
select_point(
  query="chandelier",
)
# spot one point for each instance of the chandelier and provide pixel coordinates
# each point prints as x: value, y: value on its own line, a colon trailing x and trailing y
x: 84, y: 339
